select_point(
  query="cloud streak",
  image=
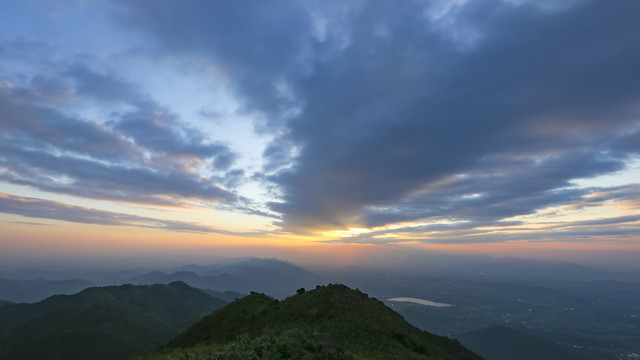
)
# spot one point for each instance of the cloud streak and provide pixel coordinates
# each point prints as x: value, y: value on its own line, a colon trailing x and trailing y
x: 46, y: 209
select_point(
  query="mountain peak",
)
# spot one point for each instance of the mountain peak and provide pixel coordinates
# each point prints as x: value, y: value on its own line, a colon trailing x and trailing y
x: 331, y: 319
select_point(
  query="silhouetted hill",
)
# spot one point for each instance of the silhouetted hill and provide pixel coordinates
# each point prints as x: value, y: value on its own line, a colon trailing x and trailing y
x: 272, y: 276
x: 331, y: 321
x: 250, y: 266
x: 112, y: 322
x: 36, y: 290
x: 504, y: 343
x: 5, y: 302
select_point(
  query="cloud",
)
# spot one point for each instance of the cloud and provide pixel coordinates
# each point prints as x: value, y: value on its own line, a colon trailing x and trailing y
x: 393, y: 104
x: 93, y: 179
x: 46, y: 209
x: 143, y: 155
x: 235, y: 36
x: 27, y: 123
x: 30, y: 223
x: 552, y: 224
x: 101, y: 86
x: 497, y: 188
x: 173, y: 144
x: 381, y: 113
x: 394, y: 125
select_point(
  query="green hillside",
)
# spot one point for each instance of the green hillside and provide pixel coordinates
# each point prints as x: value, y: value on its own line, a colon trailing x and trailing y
x: 329, y: 322
x: 113, y: 322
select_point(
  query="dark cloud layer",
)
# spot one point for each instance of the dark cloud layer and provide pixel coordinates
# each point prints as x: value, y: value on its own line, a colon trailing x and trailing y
x: 484, y: 113
x: 235, y: 36
x: 445, y: 117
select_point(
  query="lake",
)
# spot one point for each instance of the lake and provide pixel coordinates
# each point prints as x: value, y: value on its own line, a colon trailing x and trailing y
x: 419, y: 301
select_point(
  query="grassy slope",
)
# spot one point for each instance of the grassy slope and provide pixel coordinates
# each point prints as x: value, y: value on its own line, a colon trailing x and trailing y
x: 323, y: 321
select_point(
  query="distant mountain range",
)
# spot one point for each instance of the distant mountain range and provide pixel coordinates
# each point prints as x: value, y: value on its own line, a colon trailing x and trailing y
x: 114, y: 322
x: 479, y: 267
x: 275, y: 277
x: 329, y: 322
x: 272, y: 276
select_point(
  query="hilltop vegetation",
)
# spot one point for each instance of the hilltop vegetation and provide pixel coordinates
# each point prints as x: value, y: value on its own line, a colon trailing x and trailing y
x: 114, y: 322
x: 328, y: 322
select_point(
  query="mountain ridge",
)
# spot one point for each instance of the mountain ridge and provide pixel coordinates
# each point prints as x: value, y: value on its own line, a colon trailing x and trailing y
x: 112, y: 322
x: 331, y: 321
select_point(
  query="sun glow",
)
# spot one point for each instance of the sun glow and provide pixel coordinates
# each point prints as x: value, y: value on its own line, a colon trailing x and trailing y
x: 345, y: 233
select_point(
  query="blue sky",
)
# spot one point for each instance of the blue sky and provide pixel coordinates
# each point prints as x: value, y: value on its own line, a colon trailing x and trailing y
x: 382, y: 123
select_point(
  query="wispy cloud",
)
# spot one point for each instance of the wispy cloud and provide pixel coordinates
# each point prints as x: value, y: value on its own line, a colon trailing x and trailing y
x: 550, y: 224
x: 46, y: 209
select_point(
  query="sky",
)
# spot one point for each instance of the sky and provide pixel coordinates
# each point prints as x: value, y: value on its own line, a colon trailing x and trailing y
x: 320, y: 130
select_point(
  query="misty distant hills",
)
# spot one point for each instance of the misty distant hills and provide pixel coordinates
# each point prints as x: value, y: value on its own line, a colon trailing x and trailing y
x: 506, y: 269
x: 114, y: 322
x: 275, y: 277
x: 280, y: 278
x: 504, y: 343
x: 36, y: 290
x: 272, y: 276
x: 219, y: 283
x: 330, y: 322
x: 514, y: 269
